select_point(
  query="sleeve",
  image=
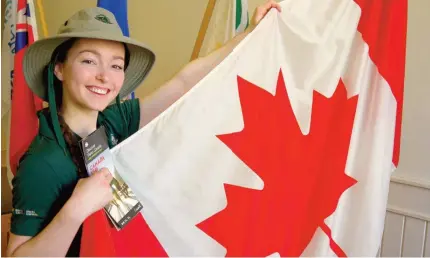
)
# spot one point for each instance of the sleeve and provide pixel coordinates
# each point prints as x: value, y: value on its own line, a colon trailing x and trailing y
x: 35, y: 192
x: 113, y: 119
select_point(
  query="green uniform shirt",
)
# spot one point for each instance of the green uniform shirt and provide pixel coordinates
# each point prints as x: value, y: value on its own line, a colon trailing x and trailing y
x: 46, y: 177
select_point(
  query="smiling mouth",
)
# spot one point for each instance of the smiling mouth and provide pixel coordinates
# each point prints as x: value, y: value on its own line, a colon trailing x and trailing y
x: 98, y: 90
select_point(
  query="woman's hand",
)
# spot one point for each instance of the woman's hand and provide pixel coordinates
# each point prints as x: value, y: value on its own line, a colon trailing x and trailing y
x: 92, y: 194
x: 261, y: 11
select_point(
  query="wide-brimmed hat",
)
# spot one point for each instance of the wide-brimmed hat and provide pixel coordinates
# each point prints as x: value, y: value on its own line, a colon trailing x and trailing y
x: 95, y: 23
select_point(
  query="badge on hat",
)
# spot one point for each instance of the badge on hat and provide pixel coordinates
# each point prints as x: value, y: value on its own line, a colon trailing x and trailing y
x: 103, y: 18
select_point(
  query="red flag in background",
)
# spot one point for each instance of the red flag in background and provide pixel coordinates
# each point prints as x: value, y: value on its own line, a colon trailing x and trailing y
x: 24, y: 122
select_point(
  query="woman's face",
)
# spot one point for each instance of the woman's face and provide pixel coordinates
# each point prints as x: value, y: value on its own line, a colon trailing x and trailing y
x: 92, y: 74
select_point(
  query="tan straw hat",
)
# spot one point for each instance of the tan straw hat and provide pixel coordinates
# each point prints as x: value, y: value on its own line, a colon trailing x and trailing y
x: 97, y: 23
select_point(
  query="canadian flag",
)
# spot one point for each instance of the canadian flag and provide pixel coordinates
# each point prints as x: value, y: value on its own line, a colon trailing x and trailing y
x: 286, y: 148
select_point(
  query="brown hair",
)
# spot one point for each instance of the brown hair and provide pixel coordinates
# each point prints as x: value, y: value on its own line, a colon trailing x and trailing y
x: 59, y: 56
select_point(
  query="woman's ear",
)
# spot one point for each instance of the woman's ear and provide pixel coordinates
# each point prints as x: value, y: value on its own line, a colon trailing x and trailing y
x: 58, y: 71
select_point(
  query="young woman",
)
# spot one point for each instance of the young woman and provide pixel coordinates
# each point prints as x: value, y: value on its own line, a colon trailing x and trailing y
x: 80, y: 72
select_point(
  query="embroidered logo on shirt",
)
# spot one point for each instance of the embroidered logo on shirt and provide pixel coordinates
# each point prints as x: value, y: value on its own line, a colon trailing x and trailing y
x: 24, y: 212
x: 113, y: 140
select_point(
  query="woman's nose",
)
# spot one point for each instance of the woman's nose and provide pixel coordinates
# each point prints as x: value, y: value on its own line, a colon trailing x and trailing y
x: 101, y: 76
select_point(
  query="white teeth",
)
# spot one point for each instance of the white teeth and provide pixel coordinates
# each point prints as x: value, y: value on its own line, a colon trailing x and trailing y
x: 98, y: 90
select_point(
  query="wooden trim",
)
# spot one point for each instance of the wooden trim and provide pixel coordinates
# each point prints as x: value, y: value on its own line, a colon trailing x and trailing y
x: 5, y: 229
x: 42, y: 16
x: 6, y: 192
x: 411, y: 182
x: 3, y: 158
x: 406, y: 213
x: 402, y: 236
x: 203, y: 28
x: 3, y: 8
x: 426, y: 227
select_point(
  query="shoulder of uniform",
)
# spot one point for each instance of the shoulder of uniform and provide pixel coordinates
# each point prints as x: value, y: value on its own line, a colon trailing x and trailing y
x: 43, y: 147
x: 37, y: 156
x: 43, y: 153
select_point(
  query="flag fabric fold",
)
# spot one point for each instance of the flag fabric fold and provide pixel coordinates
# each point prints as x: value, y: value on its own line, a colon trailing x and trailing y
x: 286, y: 147
x: 24, y: 104
x: 8, y: 52
x: 229, y: 18
x: 241, y: 15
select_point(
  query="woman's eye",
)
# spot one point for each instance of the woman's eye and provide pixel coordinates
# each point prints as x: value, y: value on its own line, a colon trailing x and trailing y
x: 117, y: 67
x: 87, y: 61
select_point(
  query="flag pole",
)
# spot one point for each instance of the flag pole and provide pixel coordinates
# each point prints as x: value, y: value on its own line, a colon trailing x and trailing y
x: 203, y: 28
x: 42, y: 18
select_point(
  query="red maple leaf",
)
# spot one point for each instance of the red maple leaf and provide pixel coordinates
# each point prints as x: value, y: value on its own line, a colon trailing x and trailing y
x: 304, y: 175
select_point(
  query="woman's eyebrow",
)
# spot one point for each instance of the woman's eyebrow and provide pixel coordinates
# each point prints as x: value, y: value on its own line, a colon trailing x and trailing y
x: 118, y: 57
x: 89, y: 50
x: 95, y: 52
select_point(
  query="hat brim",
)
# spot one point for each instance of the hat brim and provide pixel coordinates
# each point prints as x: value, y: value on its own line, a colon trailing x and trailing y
x: 38, y: 55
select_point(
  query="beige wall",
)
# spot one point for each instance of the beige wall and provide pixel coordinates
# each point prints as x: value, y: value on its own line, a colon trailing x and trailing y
x: 415, y: 145
x: 170, y: 28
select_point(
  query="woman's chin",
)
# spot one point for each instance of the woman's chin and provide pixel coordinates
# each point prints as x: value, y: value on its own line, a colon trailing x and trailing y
x: 97, y: 106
